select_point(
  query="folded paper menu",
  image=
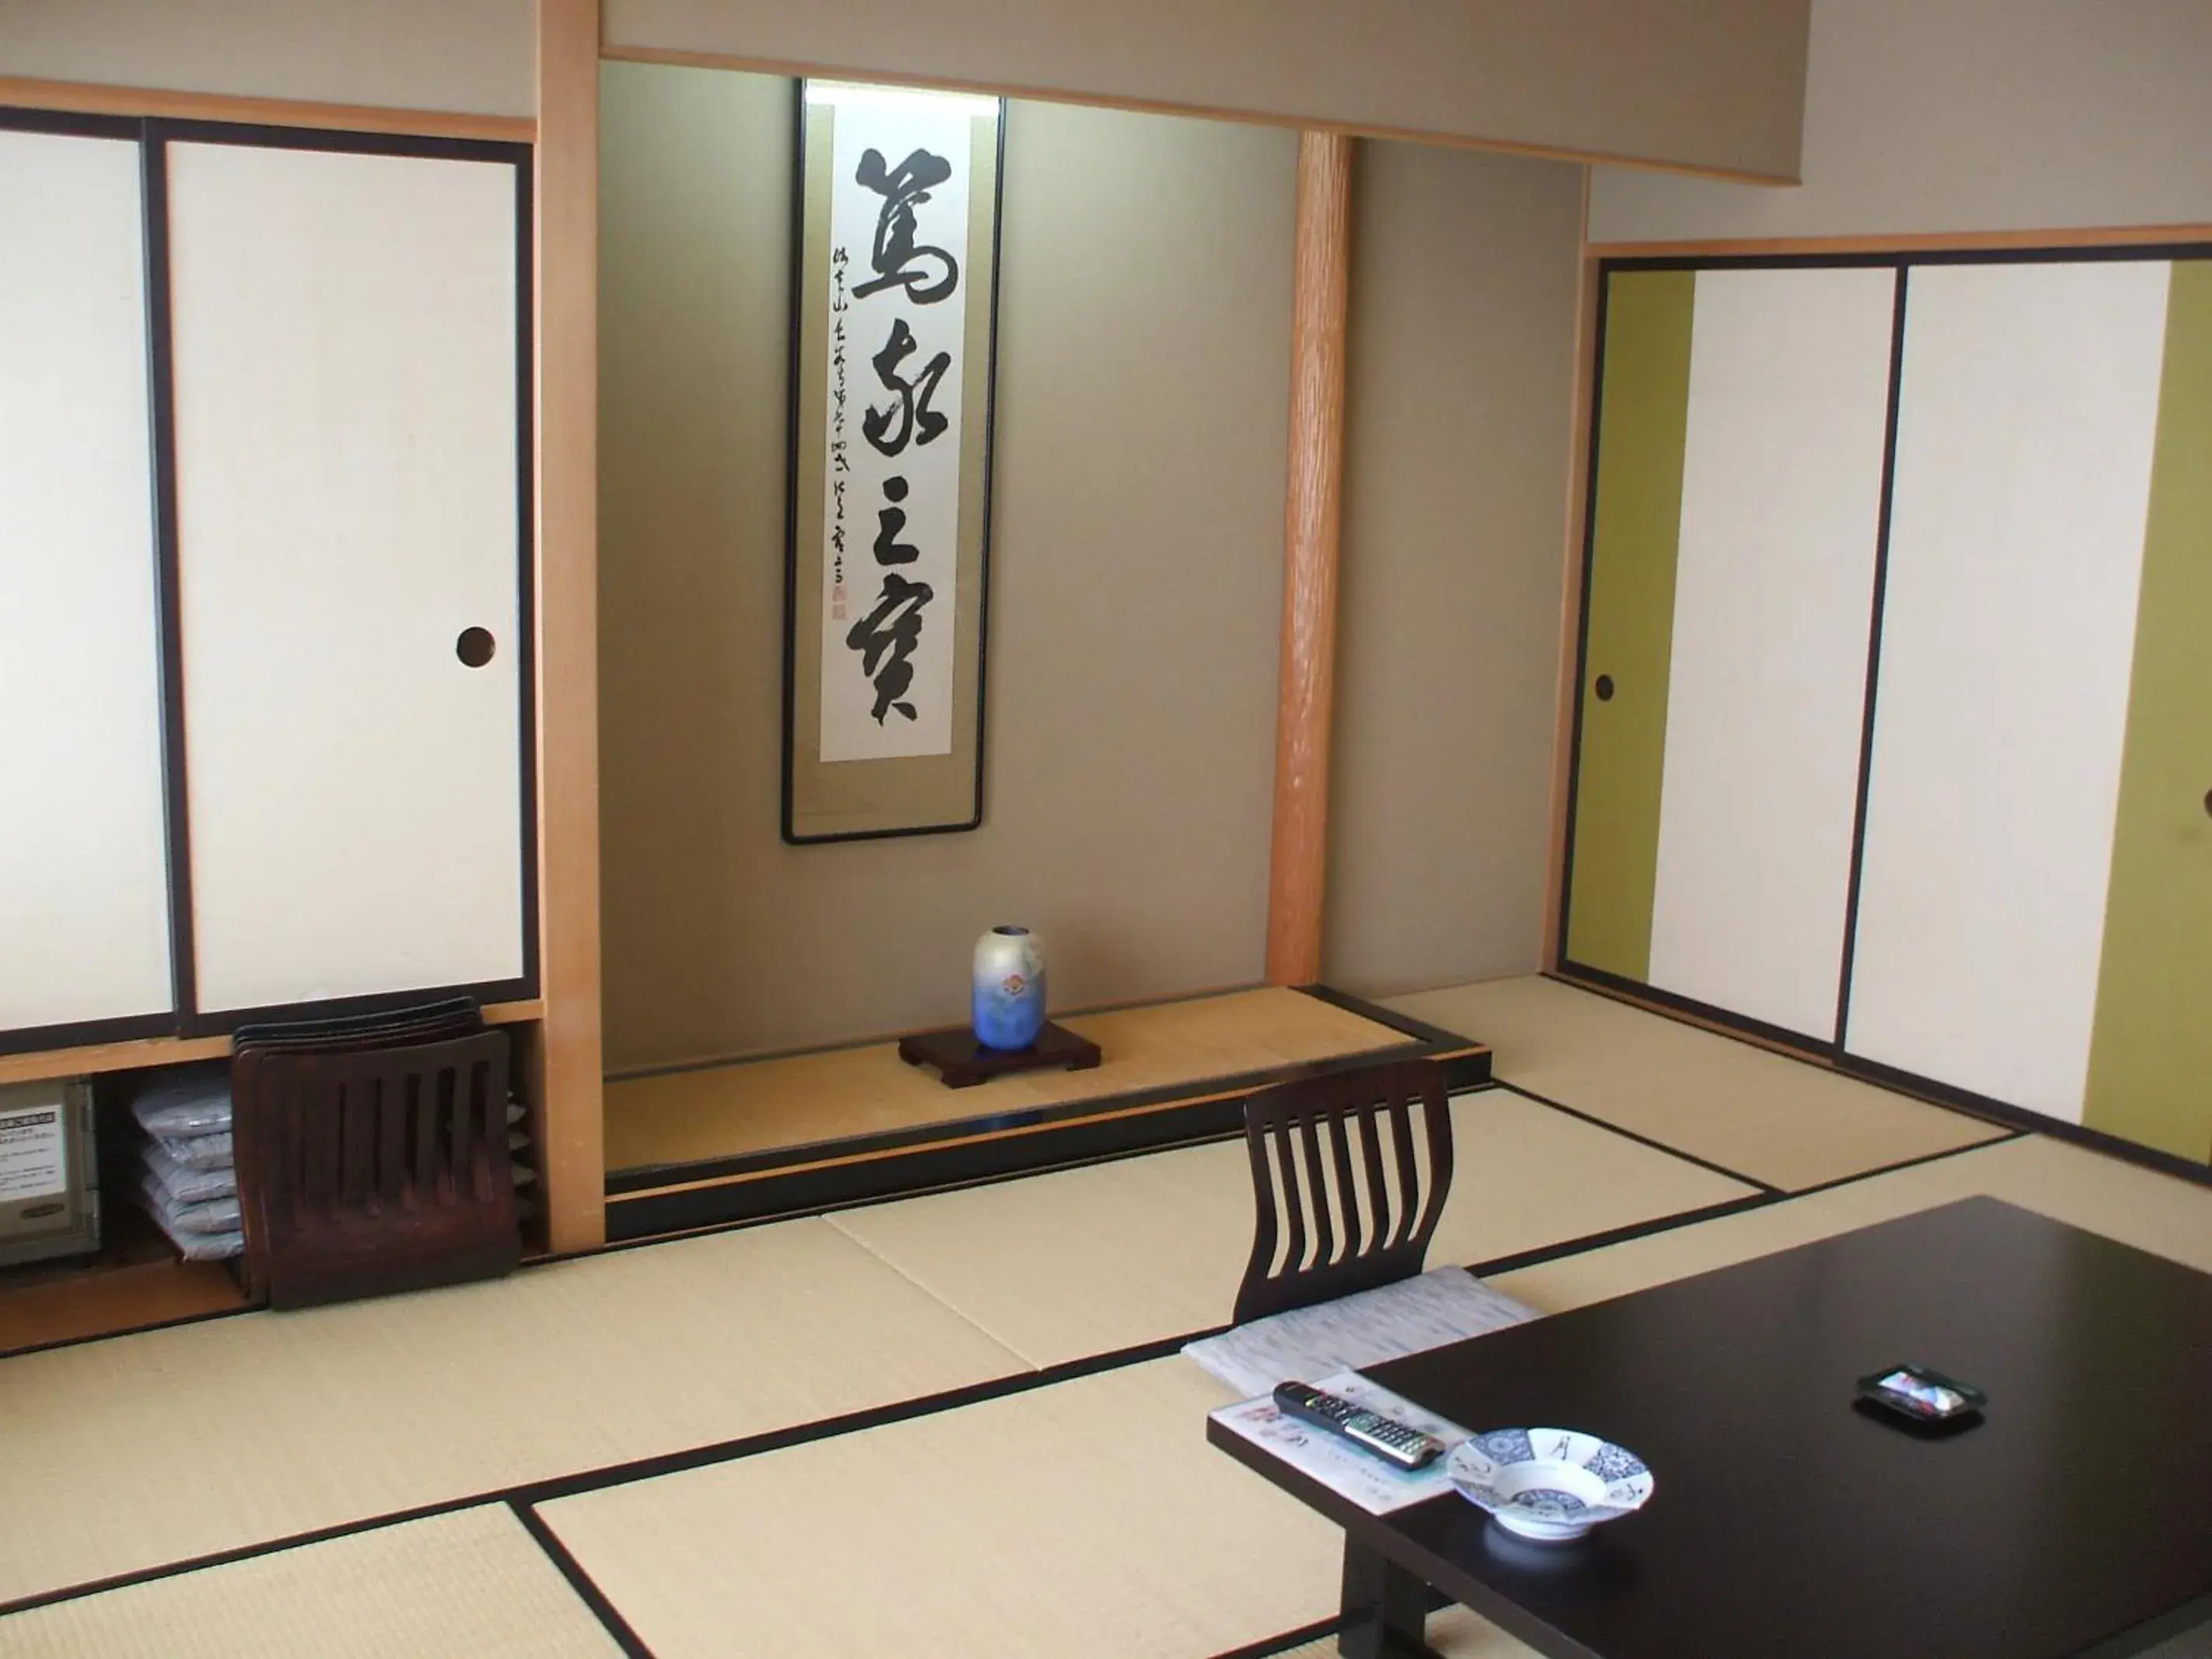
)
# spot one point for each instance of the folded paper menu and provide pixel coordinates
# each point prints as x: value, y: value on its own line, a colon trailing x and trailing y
x: 1343, y: 1469
x: 1445, y: 1305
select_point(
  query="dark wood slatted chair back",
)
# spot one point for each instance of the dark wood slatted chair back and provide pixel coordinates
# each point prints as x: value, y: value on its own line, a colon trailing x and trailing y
x: 1349, y: 1172
x: 367, y: 1169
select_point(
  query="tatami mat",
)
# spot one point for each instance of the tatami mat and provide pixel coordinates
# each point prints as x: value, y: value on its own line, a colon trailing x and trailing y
x: 719, y: 1111
x: 2139, y: 1207
x: 1776, y: 1120
x: 469, y: 1585
x: 161, y: 1447
x: 1086, y: 1518
x: 1086, y: 1261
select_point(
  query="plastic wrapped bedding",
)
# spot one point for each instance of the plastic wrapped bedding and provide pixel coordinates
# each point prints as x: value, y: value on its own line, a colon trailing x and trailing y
x: 181, y: 1215
x: 209, y: 1151
x: 191, y: 1183
x: 205, y: 1247
x: 209, y: 1231
x: 188, y: 1101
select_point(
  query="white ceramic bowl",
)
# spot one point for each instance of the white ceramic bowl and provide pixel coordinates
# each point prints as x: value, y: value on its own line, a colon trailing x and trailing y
x: 1548, y: 1484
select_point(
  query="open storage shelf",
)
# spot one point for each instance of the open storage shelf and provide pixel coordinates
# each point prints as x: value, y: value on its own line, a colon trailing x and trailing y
x: 134, y: 1280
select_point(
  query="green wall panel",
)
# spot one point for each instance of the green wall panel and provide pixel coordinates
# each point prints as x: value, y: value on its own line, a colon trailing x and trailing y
x: 1642, y: 413
x: 2150, y: 1055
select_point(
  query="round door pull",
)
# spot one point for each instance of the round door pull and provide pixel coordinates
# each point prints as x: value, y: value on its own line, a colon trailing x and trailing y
x: 475, y: 647
x: 2207, y: 803
x: 1605, y: 688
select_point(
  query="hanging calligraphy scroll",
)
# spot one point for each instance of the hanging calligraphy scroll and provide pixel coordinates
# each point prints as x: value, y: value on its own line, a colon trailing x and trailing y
x: 894, y: 291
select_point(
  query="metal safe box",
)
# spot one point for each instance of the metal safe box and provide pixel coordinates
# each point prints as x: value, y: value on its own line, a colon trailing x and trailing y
x: 49, y: 1176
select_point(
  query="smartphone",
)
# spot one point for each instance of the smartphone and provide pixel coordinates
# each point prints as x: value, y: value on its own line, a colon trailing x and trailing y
x: 1922, y: 1395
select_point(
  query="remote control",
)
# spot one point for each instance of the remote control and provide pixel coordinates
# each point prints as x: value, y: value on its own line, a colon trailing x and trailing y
x: 1371, y: 1431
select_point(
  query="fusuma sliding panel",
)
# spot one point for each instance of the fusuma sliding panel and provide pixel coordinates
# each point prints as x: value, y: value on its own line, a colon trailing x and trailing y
x: 2028, y: 409
x: 1628, y: 620
x: 345, y: 347
x: 84, y: 930
x: 2150, y: 1057
x: 1781, y: 474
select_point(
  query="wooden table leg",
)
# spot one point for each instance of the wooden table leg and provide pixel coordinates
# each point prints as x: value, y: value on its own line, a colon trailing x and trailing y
x: 1385, y: 1608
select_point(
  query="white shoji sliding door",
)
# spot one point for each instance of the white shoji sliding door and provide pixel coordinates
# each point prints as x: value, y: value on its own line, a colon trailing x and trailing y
x: 345, y: 348
x: 2028, y: 412
x: 84, y: 919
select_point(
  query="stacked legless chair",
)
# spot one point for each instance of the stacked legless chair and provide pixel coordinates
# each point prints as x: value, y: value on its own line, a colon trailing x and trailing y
x: 373, y: 1154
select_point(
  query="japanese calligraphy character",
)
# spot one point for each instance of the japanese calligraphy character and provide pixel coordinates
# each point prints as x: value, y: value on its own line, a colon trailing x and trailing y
x: 889, y: 548
x: 899, y: 261
x: 911, y: 416
x: 886, y: 637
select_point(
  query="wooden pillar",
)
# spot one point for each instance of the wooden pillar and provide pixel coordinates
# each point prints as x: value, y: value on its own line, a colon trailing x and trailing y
x: 568, y: 1066
x: 1311, y: 511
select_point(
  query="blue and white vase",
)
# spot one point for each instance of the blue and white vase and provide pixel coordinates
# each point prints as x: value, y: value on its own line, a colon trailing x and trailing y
x: 1009, y: 995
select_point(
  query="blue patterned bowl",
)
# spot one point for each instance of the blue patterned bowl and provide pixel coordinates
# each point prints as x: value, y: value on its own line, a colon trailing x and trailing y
x: 1548, y: 1484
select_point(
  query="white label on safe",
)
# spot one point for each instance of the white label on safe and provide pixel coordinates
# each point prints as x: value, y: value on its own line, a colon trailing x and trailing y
x: 32, y: 1161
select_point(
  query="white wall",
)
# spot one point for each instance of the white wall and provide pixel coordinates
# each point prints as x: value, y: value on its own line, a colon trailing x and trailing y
x: 1969, y: 115
x: 472, y: 56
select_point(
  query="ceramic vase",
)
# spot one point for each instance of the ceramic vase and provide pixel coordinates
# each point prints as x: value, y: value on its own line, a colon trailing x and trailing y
x: 1009, y: 992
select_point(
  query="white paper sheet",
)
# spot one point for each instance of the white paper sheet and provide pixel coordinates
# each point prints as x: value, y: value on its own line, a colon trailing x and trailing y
x: 1446, y: 1304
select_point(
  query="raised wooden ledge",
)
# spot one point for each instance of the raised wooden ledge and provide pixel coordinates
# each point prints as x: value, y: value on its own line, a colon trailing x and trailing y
x: 83, y: 98
x: 709, y: 1145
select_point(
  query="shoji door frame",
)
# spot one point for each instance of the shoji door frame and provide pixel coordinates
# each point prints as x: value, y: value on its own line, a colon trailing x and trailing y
x: 1898, y: 253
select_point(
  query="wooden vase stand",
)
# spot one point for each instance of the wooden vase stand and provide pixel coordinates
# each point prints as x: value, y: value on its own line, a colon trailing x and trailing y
x: 963, y: 1060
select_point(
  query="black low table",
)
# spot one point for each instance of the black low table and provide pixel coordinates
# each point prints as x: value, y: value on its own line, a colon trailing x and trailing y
x: 2075, y: 1518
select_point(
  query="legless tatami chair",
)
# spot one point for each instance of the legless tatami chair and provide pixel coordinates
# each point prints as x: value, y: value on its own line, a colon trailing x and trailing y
x: 372, y: 1156
x: 1339, y: 1184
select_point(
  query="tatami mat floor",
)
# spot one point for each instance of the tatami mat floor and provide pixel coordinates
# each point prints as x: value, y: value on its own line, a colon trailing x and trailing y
x: 472, y: 1584
x: 1761, y: 1115
x: 1085, y: 1260
x: 1023, y: 1525
x: 177, y: 1444
x: 1021, y: 1515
